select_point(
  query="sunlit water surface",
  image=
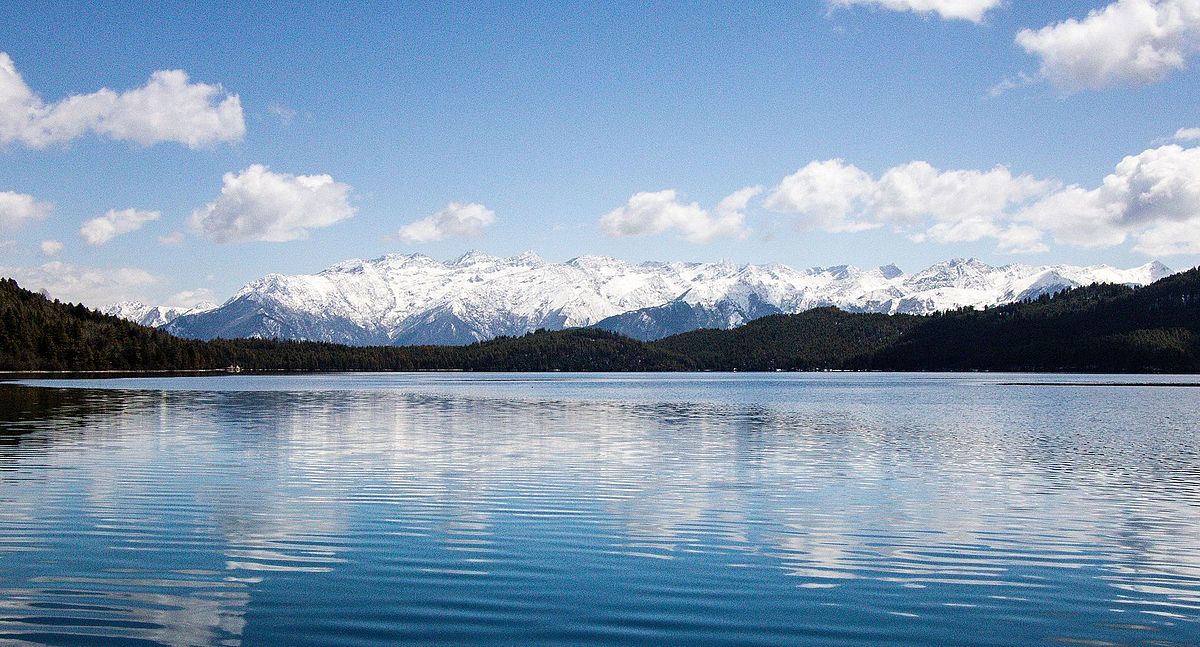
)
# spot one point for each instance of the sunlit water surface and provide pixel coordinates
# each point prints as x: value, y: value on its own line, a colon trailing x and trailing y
x: 600, y: 509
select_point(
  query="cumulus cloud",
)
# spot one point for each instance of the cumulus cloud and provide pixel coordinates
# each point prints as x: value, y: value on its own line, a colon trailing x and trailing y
x: 828, y: 193
x: 99, y: 231
x: 19, y: 209
x: 94, y: 287
x: 1075, y: 216
x: 972, y: 10
x: 261, y: 205
x: 915, y: 198
x: 51, y: 247
x: 169, y: 108
x: 1129, y: 41
x: 916, y: 190
x: 1153, y: 197
x: 1156, y: 195
x: 457, y: 220
x: 657, y: 212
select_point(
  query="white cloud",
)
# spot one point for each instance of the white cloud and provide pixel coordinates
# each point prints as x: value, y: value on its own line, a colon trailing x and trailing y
x: 1157, y: 184
x: 173, y: 238
x: 827, y: 193
x: 916, y: 190
x: 1170, y: 238
x: 972, y: 10
x: 1153, y: 196
x: 260, y: 205
x: 657, y: 212
x: 1129, y: 41
x: 466, y: 220
x: 1075, y: 216
x: 1020, y: 80
x: 169, y: 108
x: 51, y: 247
x: 1021, y: 239
x: 94, y: 287
x: 915, y: 198
x: 99, y: 231
x: 191, y: 298
x: 19, y: 209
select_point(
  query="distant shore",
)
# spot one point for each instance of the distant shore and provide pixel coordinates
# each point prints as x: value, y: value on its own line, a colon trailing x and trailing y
x: 9, y: 376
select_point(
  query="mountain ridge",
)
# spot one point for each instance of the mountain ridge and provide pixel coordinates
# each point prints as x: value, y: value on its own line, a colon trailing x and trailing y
x: 413, y: 299
x: 1096, y: 328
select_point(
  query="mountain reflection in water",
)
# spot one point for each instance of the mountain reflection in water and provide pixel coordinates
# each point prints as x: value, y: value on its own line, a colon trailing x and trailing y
x: 376, y: 509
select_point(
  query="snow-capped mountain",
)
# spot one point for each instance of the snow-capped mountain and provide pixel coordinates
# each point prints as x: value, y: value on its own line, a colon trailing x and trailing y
x: 414, y: 299
x: 153, y: 316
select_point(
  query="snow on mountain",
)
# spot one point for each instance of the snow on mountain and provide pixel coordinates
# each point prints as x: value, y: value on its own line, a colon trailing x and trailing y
x: 153, y: 316
x: 414, y: 299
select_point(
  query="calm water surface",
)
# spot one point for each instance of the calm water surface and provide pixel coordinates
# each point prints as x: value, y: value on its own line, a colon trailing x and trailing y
x: 835, y: 509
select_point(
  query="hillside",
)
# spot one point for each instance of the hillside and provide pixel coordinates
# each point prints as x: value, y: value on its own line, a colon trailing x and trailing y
x: 1094, y: 328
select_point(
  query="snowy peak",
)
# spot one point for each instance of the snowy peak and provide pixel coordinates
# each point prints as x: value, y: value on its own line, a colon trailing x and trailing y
x: 153, y: 316
x: 409, y: 299
x: 970, y: 274
x: 1151, y: 272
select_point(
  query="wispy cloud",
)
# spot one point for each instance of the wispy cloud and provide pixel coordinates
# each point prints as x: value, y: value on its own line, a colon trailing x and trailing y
x: 51, y: 247
x: 285, y: 114
x: 971, y: 10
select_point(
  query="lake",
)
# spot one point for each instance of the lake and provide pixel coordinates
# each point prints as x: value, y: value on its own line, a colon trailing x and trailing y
x: 631, y: 509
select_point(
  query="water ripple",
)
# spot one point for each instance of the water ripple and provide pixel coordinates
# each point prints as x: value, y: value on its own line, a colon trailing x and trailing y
x: 707, y: 509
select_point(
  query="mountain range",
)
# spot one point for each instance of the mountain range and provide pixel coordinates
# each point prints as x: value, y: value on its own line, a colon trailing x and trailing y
x: 1100, y: 328
x: 414, y: 299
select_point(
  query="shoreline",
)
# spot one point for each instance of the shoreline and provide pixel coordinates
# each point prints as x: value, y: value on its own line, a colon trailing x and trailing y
x: 14, y: 376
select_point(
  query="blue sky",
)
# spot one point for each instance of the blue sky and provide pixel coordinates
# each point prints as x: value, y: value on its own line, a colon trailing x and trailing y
x: 514, y: 126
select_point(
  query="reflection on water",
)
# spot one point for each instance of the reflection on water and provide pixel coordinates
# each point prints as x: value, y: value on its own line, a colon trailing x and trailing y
x: 434, y: 509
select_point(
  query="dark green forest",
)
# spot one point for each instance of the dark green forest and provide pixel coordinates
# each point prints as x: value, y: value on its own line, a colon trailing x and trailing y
x: 1098, y: 328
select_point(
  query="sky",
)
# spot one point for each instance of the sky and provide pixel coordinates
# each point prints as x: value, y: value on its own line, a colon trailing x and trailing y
x: 171, y: 153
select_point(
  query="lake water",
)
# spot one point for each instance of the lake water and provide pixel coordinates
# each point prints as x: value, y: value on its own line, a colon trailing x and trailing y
x: 709, y: 509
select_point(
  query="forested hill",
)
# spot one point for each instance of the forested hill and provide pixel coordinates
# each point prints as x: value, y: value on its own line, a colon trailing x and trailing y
x: 39, y: 334
x: 1095, y: 328
x: 815, y: 339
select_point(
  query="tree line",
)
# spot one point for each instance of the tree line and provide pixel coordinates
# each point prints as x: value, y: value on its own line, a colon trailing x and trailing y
x: 1094, y: 328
